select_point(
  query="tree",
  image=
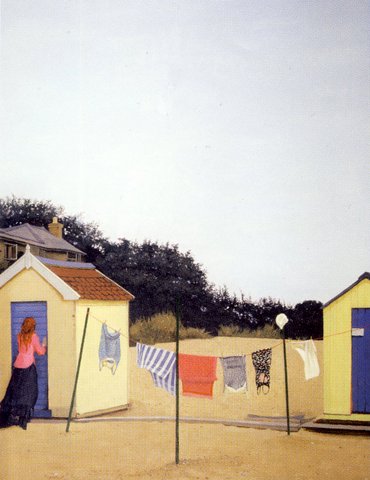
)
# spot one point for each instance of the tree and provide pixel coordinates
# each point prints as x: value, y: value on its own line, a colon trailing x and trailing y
x: 159, y: 276
x: 306, y: 320
x: 85, y: 236
x: 15, y: 211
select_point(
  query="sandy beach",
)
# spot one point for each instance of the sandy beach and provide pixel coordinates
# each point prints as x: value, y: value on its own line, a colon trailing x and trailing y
x: 146, y: 450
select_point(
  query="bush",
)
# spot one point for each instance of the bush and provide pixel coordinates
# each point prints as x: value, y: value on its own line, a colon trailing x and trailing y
x: 192, y: 332
x: 229, y: 331
x: 267, y: 331
x: 161, y: 328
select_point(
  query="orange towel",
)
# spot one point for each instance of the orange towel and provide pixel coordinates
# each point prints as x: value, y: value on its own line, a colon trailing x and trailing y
x: 197, y: 374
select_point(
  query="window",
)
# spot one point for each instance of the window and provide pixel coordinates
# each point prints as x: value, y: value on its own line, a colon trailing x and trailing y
x: 11, y: 251
x: 73, y: 257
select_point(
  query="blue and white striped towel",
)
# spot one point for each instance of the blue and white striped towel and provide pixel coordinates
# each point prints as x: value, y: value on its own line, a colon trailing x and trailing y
x: 161, y: 364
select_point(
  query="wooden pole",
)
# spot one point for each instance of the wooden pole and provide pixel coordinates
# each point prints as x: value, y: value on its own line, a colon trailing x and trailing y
x: 286, y: 385
x: 78, y: 370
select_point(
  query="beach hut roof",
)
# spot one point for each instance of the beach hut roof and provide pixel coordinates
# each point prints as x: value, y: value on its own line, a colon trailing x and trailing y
x: 89, y: 283
x: 364, y: 276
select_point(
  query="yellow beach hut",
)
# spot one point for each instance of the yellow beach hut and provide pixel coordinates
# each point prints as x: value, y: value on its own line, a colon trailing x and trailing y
x: 347, y: 353
x: 58, y: 294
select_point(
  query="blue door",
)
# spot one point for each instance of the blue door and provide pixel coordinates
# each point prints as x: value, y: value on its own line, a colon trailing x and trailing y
x: 361, y: 360
x: 37, y: 310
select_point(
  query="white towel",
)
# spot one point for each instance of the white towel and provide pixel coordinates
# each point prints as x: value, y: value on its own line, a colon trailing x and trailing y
x: 307, y: 350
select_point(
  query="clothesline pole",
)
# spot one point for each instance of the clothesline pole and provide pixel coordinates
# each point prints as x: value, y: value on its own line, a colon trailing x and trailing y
x: 177, y: 440
x: 281, y: 320
x: 286, y: 384
x: 78, y: 370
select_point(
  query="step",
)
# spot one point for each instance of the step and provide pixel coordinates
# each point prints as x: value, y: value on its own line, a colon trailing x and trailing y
x: 337, y: 428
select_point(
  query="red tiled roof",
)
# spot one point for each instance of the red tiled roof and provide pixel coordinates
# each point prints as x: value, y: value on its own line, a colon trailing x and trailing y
x: 91, y: 284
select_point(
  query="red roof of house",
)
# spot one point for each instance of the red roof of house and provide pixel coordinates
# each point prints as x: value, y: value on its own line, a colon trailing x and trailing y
x: 91, y: 284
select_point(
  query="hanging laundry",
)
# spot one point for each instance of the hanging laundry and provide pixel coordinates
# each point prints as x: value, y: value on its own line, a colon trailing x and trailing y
x: 109, y: 349
x: 307, y: 350
x: 197, y: 374
x: 262, y: 362
x: 235, y: 377
x: 161, y: 364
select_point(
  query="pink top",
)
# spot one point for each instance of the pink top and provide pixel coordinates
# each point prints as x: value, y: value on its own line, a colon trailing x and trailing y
x: 25, y: 357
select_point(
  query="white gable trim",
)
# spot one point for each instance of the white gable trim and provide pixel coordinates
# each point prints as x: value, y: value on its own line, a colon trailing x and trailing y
x: 28, y: 261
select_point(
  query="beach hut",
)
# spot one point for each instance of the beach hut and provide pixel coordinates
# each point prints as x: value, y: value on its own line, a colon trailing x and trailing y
x: 347, y: 353
x: 58, y: 294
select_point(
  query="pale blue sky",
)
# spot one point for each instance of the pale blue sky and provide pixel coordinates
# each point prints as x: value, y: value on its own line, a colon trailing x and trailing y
x: 236, y: 129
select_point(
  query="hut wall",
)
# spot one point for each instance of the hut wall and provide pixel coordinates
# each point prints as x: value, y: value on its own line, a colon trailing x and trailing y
x: 99, y: 390
x: 338, y: 348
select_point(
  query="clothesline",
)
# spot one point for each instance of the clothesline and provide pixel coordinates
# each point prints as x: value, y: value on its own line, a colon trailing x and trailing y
x: 247, y: 354
x: 250, y: 354
x: 135, y: 342
x: 333, y: 335
x: 111, y: 328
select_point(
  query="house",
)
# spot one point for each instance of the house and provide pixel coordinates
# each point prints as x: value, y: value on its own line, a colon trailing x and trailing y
x: 347, y: 353
x: 45, y: 243
x: 58, y: 294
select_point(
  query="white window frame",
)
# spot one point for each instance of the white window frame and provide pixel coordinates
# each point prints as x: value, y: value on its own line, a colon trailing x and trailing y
x: 13, y: 249
x: 73, y: 257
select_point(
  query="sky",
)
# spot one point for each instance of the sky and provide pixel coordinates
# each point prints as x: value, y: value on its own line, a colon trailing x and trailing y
x: 238, y: 130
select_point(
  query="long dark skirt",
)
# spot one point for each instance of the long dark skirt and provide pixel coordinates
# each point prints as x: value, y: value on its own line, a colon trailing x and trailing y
x: 17, y: 406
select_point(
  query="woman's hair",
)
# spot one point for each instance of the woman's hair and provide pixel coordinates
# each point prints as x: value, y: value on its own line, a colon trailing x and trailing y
x: 27, y: 330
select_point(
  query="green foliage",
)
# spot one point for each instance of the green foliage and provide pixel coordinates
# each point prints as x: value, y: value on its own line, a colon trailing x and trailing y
x: 159, y: 276
x: 162, y: 278
x: 85, y: 236
x: 161, y: 328
x: 15, y: 211
x: 306, y: 320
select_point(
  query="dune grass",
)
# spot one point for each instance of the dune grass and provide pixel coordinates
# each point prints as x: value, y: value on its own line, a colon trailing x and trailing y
x: 267, y: 331
x: 161, y: 328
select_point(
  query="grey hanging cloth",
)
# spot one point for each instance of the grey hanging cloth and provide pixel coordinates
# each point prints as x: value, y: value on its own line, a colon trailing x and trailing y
x: 235, y: 377
x: 262, y: 362
x: 109, y: 349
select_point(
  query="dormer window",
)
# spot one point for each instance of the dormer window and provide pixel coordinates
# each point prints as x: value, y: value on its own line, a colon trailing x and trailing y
x: 11, y: 251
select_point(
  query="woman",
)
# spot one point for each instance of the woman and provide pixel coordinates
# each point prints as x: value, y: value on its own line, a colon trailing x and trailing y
x: 20, y: 398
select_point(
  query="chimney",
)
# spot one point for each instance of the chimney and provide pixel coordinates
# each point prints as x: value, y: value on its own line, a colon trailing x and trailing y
x: 56, y: 228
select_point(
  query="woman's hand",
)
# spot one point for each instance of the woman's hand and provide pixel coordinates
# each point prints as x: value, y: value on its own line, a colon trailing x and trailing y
x: 44, y: 342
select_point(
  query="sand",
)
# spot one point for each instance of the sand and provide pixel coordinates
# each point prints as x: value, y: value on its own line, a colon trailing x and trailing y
x: 146, y: 450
